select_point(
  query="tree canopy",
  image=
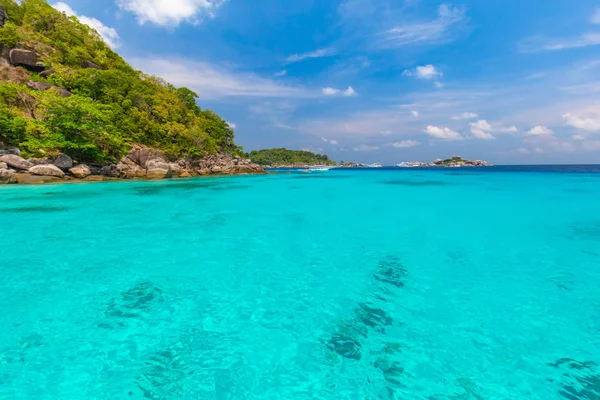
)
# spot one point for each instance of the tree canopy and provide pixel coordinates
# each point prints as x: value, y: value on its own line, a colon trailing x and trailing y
x: 284, y: 156
x: 110, y: 109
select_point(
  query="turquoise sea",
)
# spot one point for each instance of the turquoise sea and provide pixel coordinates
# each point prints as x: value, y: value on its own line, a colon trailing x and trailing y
x: 347, y: 284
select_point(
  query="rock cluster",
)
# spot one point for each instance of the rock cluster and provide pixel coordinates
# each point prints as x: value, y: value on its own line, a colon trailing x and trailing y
x: 140, y: 162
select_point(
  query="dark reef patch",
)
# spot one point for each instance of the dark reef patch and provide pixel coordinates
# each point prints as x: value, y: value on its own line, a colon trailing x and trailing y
x: 346, y: 346
x: 586, y: 230
x: 391, y: 271
x: 134, y: 301
x: 35, y: 209
x: 149, y: 190
x: 580, y: 380
x: 229, y: 187
x: 163, y: 375
x: 373, y: 317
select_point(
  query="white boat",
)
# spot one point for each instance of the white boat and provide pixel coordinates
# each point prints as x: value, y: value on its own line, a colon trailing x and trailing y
x: 376, y: 165
x: 319, y: 168
x: 405, y: 164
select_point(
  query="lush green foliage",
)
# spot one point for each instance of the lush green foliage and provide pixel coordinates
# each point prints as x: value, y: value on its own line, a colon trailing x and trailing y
x: 288, y: 157
x: 110, y: 109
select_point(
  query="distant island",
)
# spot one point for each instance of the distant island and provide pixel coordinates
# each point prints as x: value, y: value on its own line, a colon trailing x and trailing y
x: 285, y: 158
x: 455, y: 161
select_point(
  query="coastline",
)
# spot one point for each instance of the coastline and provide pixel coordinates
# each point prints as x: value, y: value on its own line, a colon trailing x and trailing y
x: 140, y: 163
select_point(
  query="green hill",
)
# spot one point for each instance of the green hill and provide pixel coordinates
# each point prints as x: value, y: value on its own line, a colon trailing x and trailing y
x: 63, y: 90
x: 288, y: 157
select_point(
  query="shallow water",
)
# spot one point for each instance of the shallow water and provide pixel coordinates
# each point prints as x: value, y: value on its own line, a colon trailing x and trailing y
x: 403, y: 284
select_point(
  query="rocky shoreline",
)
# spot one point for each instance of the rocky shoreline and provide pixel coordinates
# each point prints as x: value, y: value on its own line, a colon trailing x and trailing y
x: 140, y: 163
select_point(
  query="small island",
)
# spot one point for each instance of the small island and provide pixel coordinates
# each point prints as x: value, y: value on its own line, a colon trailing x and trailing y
x: 285, y: 158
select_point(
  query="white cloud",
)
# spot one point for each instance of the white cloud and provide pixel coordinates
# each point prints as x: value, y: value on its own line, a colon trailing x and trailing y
x: 442, y: 133
x: 313, y: 54
x: 330, y: 141
x: 508, y: 129
x: 424, y: 72
x: 281, y: 73
x: 596, y: 16
x: 481, y: 129
x: 403, y: 144
x: 231, y: 125
x: 465, y: 115
x: 578, y: 137
x: 587, y: 120
x: 437, y: 31
x: 415, y: 114
x: 481, y: 134
x: 482, y: 124
x: 350, y: 92
x: 109, y: 35
x: 211, y: 81
x: 170, y: 13
x: 540, y: 130
x: 364, y: 147
x: 438, y: 85
x: 536, y: 44
x: 329, y: 91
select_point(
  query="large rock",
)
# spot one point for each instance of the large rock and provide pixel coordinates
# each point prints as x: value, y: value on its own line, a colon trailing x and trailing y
x: 157, y: 168
x: 16, y: 161
x: 47, y: 170
x: 3, y: 165
x: 159, y: 173
x: 27, y: 59
x: 43, y: 86
x: 63, y: 162
x: 140, y: 155
x: 47, y: 72
x: 156, y: 163
x: 89, y: 64
x: 105, y: 170
x: 176, y: 168
x: 81, y: 171
x: 12, y: 150
x: 6, y: 172
x: 130, y: 169
x: 7, y: 176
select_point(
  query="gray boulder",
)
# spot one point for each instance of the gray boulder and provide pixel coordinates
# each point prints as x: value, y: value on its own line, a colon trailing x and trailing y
x: 16, y: 161
x: 6, y: 172
x: 47, y: 72
x: 43, y: 86
x: 81, y: 171
x: 156, y: 163
x: 159, y: 173
x: 26, y: 58
x: 63, y: 162
x: 140, y: 155
x: 157, y: 168
x: 47, y: 170
x: 89, y: 64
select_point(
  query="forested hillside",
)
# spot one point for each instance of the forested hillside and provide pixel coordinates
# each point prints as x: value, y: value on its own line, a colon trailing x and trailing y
x: 63, y: 90
x: 288, y: 157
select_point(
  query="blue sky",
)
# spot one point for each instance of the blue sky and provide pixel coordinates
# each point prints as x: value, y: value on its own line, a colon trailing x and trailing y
x: 508, y: 81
